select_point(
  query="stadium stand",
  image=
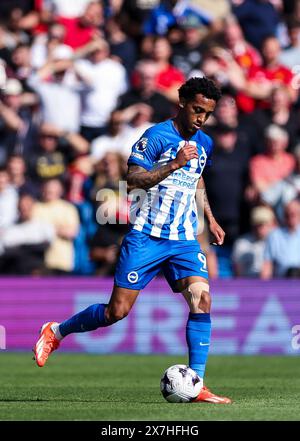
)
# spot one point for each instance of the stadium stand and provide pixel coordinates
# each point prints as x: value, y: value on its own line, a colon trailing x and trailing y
x: 81, y: 81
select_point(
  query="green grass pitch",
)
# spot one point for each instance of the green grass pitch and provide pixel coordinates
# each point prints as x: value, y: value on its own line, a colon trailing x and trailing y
x: 126, y: 387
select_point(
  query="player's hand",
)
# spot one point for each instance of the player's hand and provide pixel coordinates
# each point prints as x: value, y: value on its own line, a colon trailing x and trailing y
x: 185, y: 154
x: 217, y: 231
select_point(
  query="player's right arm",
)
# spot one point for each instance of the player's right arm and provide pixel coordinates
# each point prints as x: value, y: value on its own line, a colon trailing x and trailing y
x: 139, y: 177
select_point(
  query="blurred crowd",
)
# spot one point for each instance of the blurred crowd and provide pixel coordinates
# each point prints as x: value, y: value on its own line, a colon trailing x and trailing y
x: 82, y: 80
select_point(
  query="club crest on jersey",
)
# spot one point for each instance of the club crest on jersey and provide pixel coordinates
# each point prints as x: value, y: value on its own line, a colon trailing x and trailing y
x: 133, y: 277
x: 141, y: 145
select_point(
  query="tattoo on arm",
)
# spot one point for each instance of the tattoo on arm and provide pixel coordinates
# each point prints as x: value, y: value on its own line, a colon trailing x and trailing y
x: 206, y: 207
x: 138, y: 177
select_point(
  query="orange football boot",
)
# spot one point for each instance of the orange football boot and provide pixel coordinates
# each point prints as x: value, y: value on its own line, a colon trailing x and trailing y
x: 46, y: 344
x: 207, y: 396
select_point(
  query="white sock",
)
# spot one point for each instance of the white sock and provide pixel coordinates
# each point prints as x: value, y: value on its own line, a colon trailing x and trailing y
x: 55, y: 329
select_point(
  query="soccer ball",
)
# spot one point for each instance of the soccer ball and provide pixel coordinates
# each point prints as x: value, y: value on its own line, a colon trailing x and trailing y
x: 180, y: 384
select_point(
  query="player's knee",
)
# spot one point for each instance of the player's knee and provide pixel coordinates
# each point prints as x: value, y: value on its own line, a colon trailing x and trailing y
x: 198, y: 297
x: 205, y: 302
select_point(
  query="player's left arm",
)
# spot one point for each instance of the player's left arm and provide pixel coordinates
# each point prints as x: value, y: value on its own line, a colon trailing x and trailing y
x: 214, y: 227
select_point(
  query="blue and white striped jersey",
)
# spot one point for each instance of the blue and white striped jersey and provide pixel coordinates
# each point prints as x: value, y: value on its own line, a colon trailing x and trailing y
x: 168, y: 210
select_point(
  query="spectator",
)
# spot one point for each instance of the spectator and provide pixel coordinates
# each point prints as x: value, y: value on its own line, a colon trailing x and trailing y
x: 44, y: 45
x: 282, y: 253
x: 105, y: 81
x: 226, y: 180
x: 17, y: 171
x: 8, y: 200
x: 23, y: 245
x: 67, y: 9
x: 5, y: 53
x: 114, y: 140
x: 146, y: 92
x: 108, y: 172
x: 112, y: 212
x: 263, y: 79
x: 272, y: 166
x: 292, y: 188
x: 169, y: 13
x: 134, y: 13
x: 123, y: 47
x: 227, y: 113
x: 291, y: 55
x: 187, y: 53
x: 124, y: 129
x: 169, y: 78
x: 216, y: 11
x: 17, y: 126
x: 56, y: 85
x: 284, y: 191
x: 105, y: 246
x: 109, y: 70
x: 56, y: 148
x: 81, y: 30
x: 18, y: 24
x: 137, y: 118
x: 248, y: 250
x: 21, y: 60
x: 243, y: 53
x: 258, y: 18
x: 219, y: 65
x: 31, y: 20
x: 79, y: 171
x: 64, y: 217
x: 24, y: 6
x: 281, y: 113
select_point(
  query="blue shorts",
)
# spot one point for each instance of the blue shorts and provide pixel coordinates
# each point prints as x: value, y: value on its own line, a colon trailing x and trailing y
x: 142, y: 257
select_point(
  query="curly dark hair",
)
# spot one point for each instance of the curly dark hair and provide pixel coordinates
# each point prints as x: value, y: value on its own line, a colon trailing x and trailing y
x: 199, y: 85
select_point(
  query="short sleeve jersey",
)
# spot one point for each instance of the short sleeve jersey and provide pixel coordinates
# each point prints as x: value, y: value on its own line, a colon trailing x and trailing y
x: 168, y: 210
